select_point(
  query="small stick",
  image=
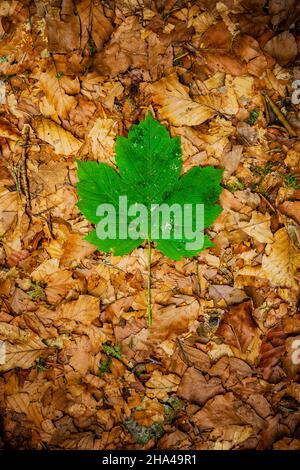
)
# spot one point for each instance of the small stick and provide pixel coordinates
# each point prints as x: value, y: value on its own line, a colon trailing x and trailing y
x: 279, y: 115
x: 25, y: 182
x: 149, y: 284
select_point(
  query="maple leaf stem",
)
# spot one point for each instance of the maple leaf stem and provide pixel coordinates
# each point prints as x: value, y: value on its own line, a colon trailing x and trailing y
x: 149, y: 283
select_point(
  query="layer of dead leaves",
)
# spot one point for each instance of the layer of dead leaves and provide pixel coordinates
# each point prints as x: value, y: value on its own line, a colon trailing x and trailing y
x: 82, y: 369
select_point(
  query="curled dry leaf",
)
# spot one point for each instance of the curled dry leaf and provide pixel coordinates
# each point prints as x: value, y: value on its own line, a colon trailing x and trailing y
x: 291, y: 209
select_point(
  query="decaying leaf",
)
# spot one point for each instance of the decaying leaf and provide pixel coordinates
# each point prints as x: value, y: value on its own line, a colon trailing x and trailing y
x: 281, y: 261
x: 258, y: 227
x: 80, y: 367
x: 237, y: 326
x: 283, y: 47
x: 84, y: 310
x: 176, y: 104
x: 20, y: 348
x: 58, y: 91
x: 63, y: 141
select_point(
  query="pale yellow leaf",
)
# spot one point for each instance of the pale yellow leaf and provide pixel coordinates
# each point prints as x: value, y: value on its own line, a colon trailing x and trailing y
x: 63, y: 141
x: 21, y: 348
x: 75, y: 249
x: 203, y: 21
x: 56, y: 94
x: 215, y: 81
x: 243, y: 87
x: 85, y: 309
x: 176, y: 104
x: 159, y: 385
x: 258, y: 227
x: 102, y: 137
x: 8, y: 208
x: 20, y: 402
x: 44, y: 269
x: 281, y: 260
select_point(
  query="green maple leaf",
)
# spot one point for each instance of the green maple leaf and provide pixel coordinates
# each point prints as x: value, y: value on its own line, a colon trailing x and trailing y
x: 149, y: 164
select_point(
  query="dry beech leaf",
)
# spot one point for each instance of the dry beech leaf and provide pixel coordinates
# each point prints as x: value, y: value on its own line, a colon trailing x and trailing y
x: 283, y: 47
x: 8, y: 208
x: 9, y: 131
x: 231, y: 160
x: 281, y: 260
x: 171, y: 321
x: 124, y: 48
x: 58, y: 283
x: 258, y: 227
x: 102, y: 138
x: 63, y: 34
x: 21, y: 403
x: 229, y: 437
x: 224, y: 62
x: 237, y: 327
x: 56, y: 93
x: 231, y: 295
x: 63, y: 141
x: 84, y: 310
x: 193, y: 356
x: 75, y: 249
x: 22, y: 348
x: 176, y: 104
x: 159, y: 385
x: 93, y: 23
x: 196, y: 388
x: 226, y: 410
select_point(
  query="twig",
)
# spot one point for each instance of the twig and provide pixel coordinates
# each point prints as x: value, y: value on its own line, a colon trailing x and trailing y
x: 25, y: 183
x: 149, y: 284
x: 279, y: 115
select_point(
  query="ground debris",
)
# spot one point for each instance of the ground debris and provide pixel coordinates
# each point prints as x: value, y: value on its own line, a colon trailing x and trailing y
x: 219, y: 367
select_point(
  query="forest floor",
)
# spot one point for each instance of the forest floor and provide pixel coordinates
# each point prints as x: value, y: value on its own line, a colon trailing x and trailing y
x: 219, y: 368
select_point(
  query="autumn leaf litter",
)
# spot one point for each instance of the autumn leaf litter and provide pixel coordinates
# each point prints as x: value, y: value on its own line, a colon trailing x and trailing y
x: 216, y: 369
